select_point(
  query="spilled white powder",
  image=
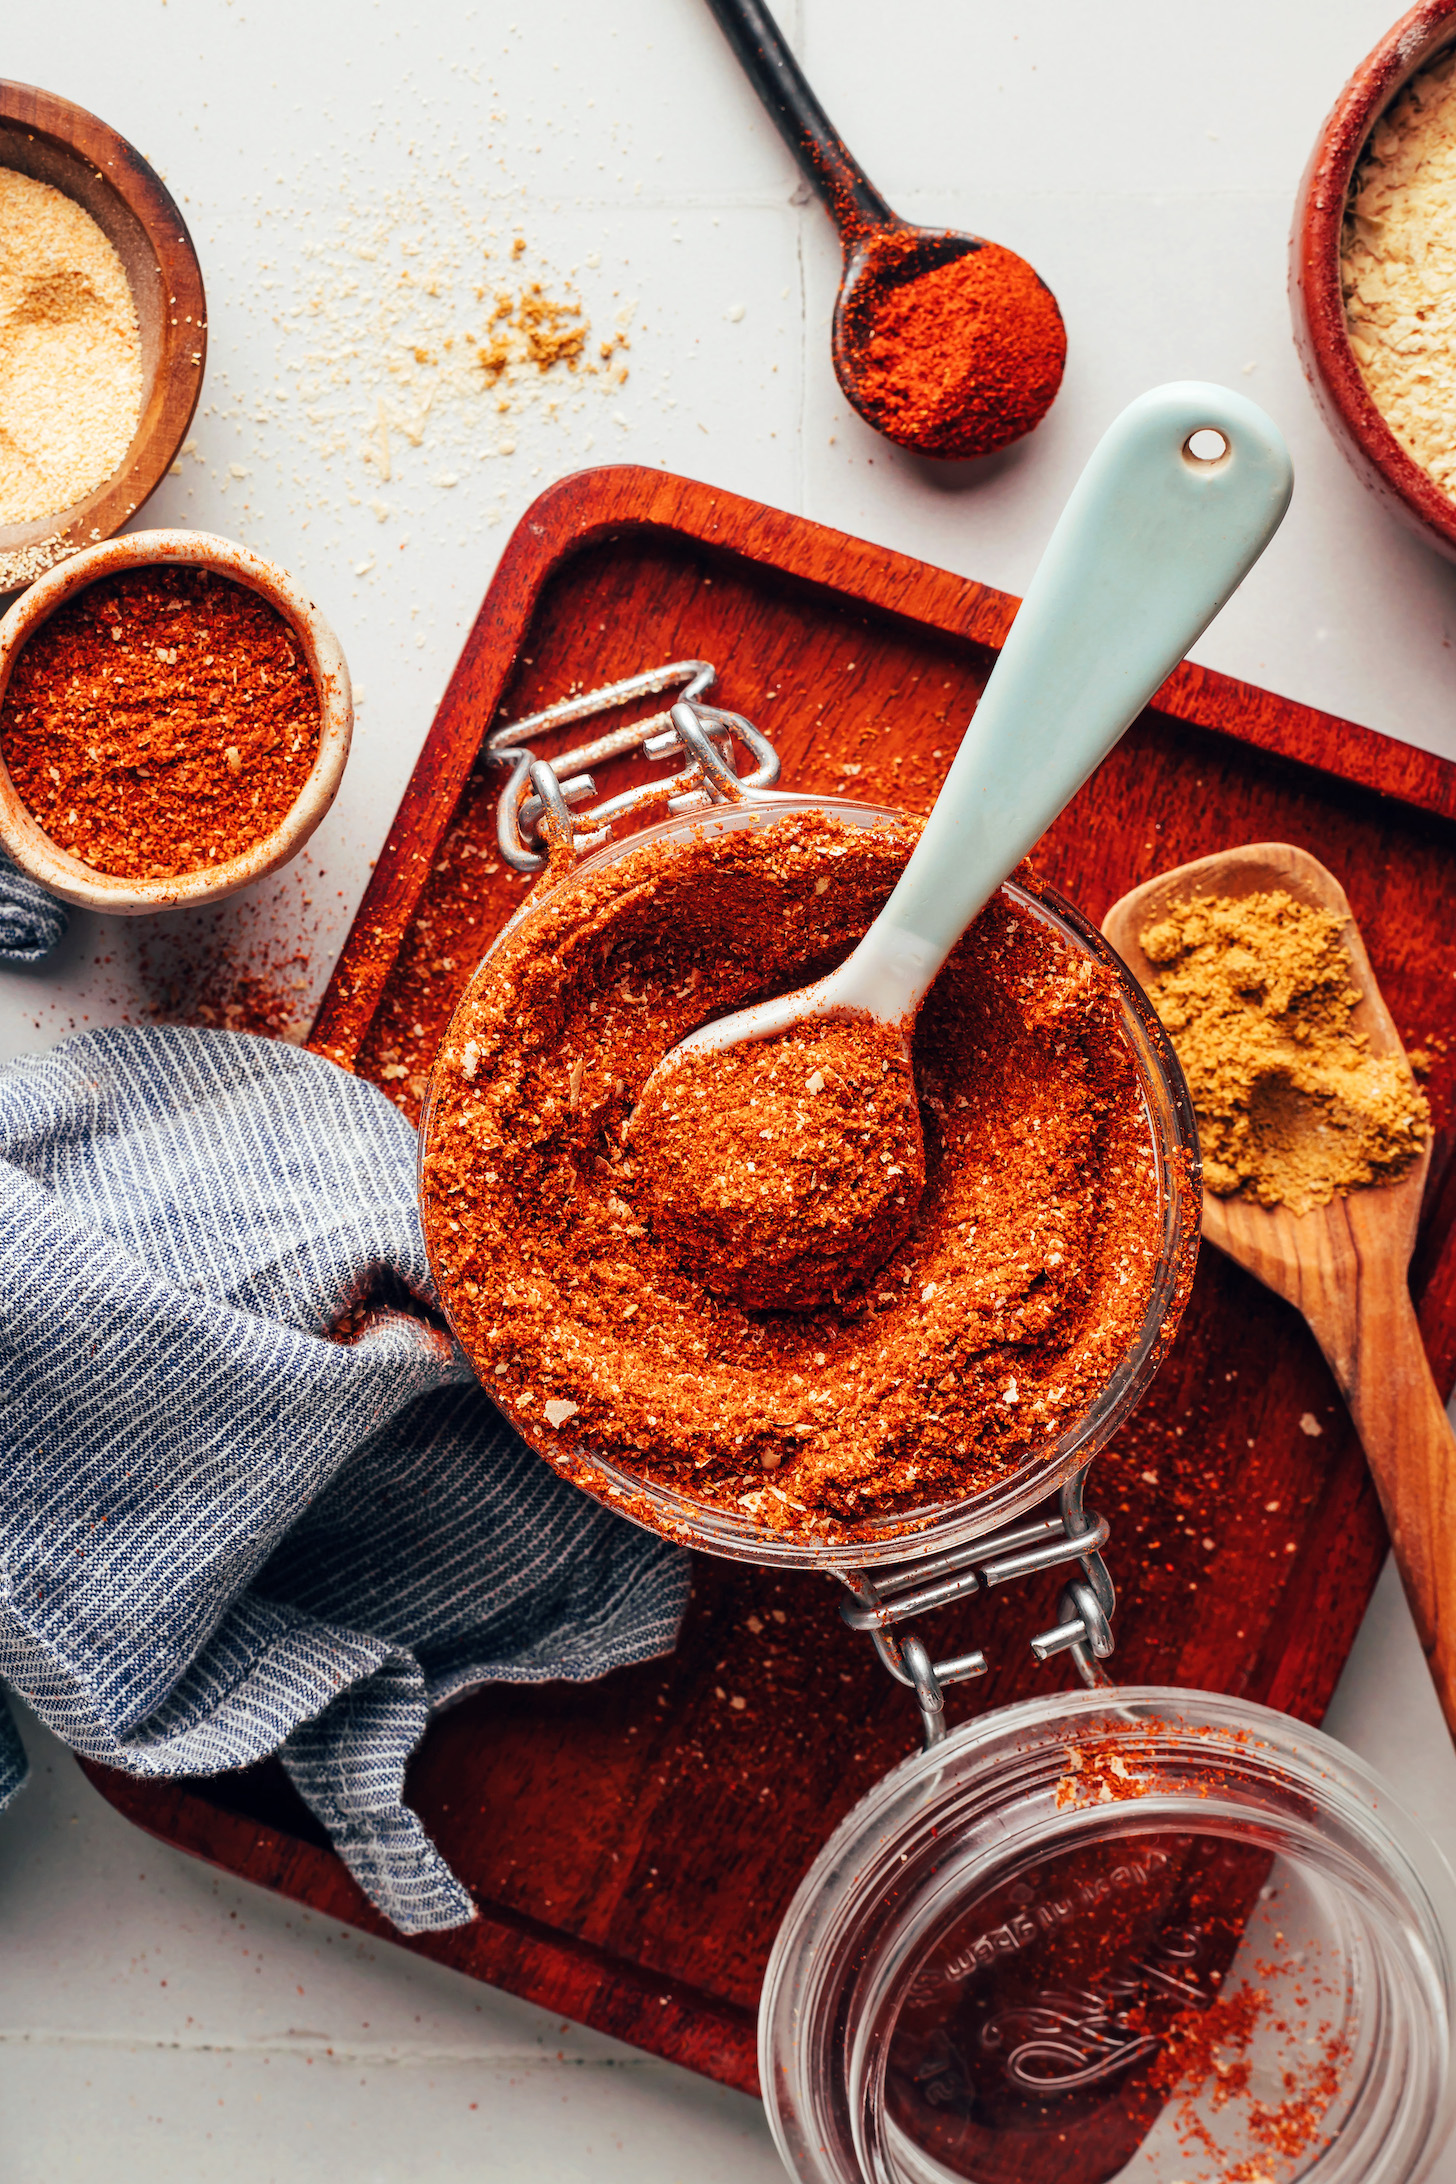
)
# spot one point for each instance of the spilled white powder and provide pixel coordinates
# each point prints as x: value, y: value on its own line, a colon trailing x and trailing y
x: 423, y: 339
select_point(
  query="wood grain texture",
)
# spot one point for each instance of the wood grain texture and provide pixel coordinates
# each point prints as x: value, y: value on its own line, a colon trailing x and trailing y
x: 633, y: 1843
x: 1344, y: 1266
x: 55, y: 142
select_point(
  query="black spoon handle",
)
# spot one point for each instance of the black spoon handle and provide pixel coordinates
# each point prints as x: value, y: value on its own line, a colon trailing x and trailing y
x: 802, y: 122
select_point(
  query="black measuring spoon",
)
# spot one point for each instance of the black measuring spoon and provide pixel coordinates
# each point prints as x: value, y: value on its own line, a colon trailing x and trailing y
x: 947, y: 363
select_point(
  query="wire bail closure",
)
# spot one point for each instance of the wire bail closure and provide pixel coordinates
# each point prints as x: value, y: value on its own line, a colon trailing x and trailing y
x: 537, y: 821
x: 1083, y: 1629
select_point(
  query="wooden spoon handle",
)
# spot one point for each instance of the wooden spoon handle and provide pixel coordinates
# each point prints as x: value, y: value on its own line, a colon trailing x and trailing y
x: 1411, y: 1451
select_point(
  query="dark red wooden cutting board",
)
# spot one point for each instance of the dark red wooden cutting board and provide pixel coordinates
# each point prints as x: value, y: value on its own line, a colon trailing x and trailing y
x: 633, y: 1844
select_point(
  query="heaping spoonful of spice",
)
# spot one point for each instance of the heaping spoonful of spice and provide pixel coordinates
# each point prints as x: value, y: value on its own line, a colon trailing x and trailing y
x: 1180, y: 498
x: 944, y: 342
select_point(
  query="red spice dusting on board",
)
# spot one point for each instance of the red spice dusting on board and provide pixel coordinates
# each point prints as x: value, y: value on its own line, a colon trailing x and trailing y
x: 959, y: 360
x: 161, y: 721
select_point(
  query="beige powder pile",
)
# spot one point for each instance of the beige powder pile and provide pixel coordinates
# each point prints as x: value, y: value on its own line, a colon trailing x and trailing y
x: 1292, y: 1107
x: 425, y: 339
x: 70, y: 352
x: 1398, y: 263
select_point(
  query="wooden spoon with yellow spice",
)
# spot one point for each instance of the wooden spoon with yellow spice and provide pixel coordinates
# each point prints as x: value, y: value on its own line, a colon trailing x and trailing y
x: 1343, y: 1264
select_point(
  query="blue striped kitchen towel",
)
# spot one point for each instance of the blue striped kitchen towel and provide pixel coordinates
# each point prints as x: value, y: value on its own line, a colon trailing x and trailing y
x: 252, y: 1498
x: 31, y: 921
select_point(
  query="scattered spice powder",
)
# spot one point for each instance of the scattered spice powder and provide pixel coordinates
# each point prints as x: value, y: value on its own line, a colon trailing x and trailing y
x: 536, y: 329
x: 236, y: 965
x: 1131, y: 1985
x: 785, y: 1170
x: 162, y: 720
x: 959, y: 360
x: 268, y: 1001
x: 70, y: 352
x: 1293, y: 1108
x: 1398, y: 267
x: 1104, y: 1775
x: 999, y: 1319
x: 1208, y: 2062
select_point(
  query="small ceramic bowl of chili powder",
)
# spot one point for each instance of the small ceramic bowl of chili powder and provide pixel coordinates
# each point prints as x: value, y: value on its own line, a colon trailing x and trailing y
x: 175, y: 717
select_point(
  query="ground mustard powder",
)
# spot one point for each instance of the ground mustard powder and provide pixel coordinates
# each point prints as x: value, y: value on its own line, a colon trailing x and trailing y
x: 1257, y: 997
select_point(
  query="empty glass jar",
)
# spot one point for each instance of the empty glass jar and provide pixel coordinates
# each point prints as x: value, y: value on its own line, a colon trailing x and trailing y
x: 1137, y: 1935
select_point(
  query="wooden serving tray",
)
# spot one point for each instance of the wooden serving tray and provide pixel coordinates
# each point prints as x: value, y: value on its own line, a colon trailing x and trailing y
x: 633, y: 1843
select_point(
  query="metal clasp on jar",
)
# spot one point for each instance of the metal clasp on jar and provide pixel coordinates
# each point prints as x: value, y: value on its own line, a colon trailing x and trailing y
x: 536, y: 819
x: 895, y: 1594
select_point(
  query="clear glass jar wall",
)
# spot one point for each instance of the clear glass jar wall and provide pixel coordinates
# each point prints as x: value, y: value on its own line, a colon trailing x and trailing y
x: 1152, y: 1936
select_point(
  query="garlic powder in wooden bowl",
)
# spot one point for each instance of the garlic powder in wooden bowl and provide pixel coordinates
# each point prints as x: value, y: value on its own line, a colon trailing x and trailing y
x: 70, y: 352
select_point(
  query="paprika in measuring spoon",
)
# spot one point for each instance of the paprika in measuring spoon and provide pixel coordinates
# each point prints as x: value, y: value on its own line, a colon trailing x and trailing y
x: 944, y: 342
x: 959, y: 359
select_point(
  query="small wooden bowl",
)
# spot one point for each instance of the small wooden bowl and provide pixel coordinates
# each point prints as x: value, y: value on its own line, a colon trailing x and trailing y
x: 65, y: 875
x: 55, y: 142
x: 1317, y: 299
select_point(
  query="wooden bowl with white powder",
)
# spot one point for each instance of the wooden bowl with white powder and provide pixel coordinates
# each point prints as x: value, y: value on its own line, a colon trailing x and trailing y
x: 1372, y: 271
x: 103, y: 331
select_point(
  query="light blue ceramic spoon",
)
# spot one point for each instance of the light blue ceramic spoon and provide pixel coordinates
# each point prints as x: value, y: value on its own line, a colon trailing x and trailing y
x: 1180, y: 498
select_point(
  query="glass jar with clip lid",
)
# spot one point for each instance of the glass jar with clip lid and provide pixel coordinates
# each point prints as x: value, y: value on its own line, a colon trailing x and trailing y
x: 1122, y: 1933
x: 1141, y: 1933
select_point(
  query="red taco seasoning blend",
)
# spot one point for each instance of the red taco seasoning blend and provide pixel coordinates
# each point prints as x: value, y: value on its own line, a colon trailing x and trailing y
x: 785, y: 1170
x: 997, y: 1318
x: 161, y: 721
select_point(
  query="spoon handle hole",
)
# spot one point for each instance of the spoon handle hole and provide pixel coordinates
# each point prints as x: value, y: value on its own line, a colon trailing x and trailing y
x: 1206, y: 445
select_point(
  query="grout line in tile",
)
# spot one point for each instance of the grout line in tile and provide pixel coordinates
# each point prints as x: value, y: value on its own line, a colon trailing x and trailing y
x: 318, y: 2043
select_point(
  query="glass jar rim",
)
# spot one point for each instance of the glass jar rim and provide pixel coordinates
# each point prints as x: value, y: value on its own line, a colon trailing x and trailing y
x: 941, y: 1526
x: 930, y: 1833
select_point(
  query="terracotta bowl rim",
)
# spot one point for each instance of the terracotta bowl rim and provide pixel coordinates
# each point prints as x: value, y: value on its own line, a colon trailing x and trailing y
x: 64, y: 875
x: 1316, y: 292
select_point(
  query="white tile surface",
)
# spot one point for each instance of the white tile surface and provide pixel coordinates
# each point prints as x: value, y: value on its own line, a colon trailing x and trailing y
x: 1144, y: 155
x: 159, y: 2020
